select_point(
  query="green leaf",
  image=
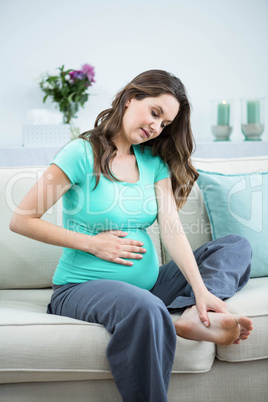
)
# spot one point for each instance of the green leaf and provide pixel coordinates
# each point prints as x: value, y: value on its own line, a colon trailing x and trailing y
x: 83, y: 99
x: 45, y: 98
x: 52, y: 79
x: 71, y: 96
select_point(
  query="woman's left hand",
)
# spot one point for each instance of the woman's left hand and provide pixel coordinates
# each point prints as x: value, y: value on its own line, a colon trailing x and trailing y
x: 205, y: 302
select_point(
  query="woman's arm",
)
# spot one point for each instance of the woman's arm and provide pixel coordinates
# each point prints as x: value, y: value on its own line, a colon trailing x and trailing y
x: 27, y: 221
x: 178, y: 247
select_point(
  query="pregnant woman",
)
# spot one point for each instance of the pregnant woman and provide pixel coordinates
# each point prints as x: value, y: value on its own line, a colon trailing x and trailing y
x: 133, y: 167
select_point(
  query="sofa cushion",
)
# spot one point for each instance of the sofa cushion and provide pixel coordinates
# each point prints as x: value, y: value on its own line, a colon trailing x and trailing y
x: 238, y: 204
x: 55, y: 348
x: 251, y: 301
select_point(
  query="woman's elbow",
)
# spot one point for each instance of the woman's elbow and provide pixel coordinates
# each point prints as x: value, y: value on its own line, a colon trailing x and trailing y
x: 13, y: 224
x: 16, y: 224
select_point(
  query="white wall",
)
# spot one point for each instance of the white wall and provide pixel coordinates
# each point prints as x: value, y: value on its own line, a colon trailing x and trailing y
x: 217, y: 48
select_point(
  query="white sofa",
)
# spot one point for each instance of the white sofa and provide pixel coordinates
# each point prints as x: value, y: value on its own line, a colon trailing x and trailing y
x: 51, y: 358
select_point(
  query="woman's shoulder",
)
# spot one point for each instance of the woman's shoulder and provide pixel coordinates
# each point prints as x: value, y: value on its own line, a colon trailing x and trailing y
x: 75, y: 159
x: 78, y: 148
x: 78, y: 144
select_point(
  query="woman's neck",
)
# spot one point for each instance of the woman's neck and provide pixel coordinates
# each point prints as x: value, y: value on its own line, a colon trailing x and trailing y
x: 123, y: 148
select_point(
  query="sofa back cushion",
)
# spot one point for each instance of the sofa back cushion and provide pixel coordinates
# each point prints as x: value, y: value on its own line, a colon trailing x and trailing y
x: 25, y: 263
x: 193, y: 215
x: 237, y: 204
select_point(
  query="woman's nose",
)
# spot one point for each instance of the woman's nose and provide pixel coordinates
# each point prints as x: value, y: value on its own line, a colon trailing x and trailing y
x: 156, y: 127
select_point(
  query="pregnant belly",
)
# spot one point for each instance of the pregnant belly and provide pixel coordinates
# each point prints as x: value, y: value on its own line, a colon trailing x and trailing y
x: 143, y: 273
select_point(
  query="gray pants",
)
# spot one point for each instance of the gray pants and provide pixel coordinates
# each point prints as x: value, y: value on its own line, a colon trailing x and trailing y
x: 142, y: 347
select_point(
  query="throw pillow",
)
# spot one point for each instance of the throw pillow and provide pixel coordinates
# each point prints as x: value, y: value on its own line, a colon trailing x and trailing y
x: 238, y: 204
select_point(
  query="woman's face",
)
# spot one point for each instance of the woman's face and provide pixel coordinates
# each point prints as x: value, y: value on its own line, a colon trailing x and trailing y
x: 145, y: 119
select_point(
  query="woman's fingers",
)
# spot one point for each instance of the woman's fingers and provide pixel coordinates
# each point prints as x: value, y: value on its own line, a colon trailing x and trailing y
x: 132, y: 256
x: 123, y: 262
x: 203, y: 315
x: 208, y: 302
x: 131, y: 252
x: 133, y: 249
x: 110, y: 246
x: 120, y: 233
x: 129, y: 245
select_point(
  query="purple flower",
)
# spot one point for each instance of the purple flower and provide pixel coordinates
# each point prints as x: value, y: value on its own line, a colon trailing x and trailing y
x: 86, y: 73
x: 77, y: 75
x: 88, y: 70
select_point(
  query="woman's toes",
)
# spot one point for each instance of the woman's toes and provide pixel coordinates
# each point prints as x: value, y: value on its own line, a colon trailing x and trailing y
x: 237, y: 342
x: 243, y: 337
x: 245, y: 322
x: 244, y: 332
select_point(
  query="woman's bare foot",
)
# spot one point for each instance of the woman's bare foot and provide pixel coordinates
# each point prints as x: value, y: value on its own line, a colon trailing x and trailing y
x: 224, y: 329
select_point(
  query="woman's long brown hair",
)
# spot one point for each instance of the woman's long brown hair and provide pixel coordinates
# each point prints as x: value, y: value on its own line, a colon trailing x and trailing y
x: 174, y: 145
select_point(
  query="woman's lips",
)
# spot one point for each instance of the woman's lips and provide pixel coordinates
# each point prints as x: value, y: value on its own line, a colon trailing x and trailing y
x: 147, y: 135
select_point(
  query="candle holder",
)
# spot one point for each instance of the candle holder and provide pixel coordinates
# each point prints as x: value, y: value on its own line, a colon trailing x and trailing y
x: 252, y: 118
x: 221, y: 119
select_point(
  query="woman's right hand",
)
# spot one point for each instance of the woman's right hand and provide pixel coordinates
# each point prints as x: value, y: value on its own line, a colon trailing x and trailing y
x: 111, y: 246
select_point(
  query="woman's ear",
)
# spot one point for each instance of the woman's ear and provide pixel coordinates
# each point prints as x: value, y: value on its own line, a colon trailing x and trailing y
x: 128, y: 102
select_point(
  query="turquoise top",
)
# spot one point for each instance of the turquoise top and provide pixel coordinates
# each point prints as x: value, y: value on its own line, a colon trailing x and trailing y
x: 130, y: 207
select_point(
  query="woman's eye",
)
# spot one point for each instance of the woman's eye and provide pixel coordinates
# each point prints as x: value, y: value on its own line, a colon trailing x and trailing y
x: 154, y: 114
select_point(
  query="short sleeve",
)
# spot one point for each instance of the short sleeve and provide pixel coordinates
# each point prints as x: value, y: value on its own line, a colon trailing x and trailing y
x: 162, y: 171
x: 72, y: 160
